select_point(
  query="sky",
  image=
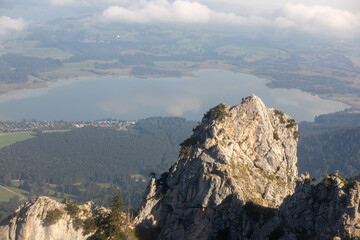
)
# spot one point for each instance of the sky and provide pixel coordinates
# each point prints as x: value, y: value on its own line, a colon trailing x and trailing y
x: 318, y: 17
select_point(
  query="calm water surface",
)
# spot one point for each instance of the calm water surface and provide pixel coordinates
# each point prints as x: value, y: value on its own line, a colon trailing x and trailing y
x: 131, y: 98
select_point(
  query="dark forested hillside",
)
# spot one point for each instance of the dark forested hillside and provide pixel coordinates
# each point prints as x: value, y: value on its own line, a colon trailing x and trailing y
x: 330, y: 143
x: 15, y: 68
x: 78, y: 159
x: 330, y: 151
x: 326, y: 122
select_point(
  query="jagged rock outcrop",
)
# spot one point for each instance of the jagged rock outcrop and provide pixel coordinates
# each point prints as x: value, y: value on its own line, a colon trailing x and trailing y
x: 236, y: 178
x: 45, y: 219
x: 238, y: 155
x: 328, y: 210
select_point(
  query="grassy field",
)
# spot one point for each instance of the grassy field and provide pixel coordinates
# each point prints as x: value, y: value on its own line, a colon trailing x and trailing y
x: 20, y: 44
x: 55, y: 131
x: 29, y: 48
x: 15, y: 183
x: 71, y: 70
x: 5, y: 195
x: 19, y: 191
x: 49, y: 191
x: 104, y: 185
x: 176, y: 64
x: 6, y: 139
x: 251, y: 53
x: 41, y: 52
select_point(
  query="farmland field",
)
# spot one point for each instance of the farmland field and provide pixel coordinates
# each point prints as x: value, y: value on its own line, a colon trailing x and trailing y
x: 7, y: 139
x: 5, y: 195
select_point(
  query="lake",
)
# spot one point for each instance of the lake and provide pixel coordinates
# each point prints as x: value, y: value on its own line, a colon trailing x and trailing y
x: 131, y: 98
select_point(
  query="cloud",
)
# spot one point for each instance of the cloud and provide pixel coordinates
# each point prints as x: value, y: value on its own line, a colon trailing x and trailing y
x: 63, y: 2
x: 87, y: 3
x: 8, y: 24
x: 318, y: 18
x: 120, y: 14
x: 164, y: 11
x: 308, y: 18
x: 161, y: 11
x: 261, y: 7
x: 326, y: 17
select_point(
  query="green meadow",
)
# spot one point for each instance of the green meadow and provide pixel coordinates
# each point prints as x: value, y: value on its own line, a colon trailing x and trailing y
x: 7, y: 139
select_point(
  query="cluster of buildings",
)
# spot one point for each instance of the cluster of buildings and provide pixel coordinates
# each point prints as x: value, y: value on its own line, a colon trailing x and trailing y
x: 120, y: 125
x: 30, y: 125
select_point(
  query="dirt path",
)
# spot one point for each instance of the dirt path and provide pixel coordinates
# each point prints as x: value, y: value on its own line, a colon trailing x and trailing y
x: 21, y: 196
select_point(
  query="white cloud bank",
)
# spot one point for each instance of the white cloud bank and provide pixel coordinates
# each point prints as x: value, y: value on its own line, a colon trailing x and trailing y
x: 86, y: 3
x: 309, y: 18
x: 8, y: 24
x: 164, y: 11
x: 318, y: 18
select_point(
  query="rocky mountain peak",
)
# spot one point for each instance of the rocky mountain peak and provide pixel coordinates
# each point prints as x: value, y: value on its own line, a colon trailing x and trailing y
x: 252, y: 135
x: 245, y: 153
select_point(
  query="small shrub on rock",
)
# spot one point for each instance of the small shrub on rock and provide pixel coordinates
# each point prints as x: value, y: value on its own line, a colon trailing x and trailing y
x: 220, y: 112
x: 53, y: 216
x: 276, y: 136
x: 72, y: 210
x: 280, y: 114
x: 290, y: 123
x: 185, y: 152
x: 327, y: 181
x: 296, y: 135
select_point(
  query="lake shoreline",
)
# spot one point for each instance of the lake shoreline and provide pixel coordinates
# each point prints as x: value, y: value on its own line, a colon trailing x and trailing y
x: 38, y: 83
x: 198, y: 78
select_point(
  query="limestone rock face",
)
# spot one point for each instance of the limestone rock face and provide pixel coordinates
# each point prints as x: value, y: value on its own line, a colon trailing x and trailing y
x: 29, y: 222
x: 237, y: 155
x: 236, y: 178
x: 328, y: 210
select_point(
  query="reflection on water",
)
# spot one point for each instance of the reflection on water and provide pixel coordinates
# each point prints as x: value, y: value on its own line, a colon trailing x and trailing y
x: 133, y: 98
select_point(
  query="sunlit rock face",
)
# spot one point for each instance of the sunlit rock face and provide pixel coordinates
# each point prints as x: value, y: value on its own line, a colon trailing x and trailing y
x: 32, y: 221
x: 236, y: 178
x: 245, y: 154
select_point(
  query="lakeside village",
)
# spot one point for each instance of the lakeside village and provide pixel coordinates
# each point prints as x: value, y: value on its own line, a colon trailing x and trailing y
x: 34, y: 125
